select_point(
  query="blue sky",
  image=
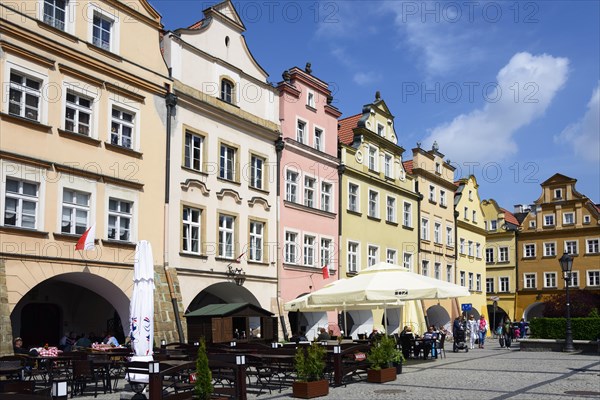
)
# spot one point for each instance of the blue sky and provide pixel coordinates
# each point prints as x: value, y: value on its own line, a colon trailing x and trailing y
x: 509, y: 90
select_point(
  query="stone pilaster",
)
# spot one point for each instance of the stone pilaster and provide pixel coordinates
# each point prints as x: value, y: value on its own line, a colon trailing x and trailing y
x: 165, y: 324
x: 6, y: 337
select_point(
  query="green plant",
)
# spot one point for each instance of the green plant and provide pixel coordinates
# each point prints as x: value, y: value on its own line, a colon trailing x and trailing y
x: 554, y: 328
x: 310, y: 362
x: 383, y: 352
x: 204, y: 387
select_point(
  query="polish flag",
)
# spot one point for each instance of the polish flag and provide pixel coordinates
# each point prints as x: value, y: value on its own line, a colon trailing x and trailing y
x: 325, y: 271
x: 86, y: 241
x: 239, y: 259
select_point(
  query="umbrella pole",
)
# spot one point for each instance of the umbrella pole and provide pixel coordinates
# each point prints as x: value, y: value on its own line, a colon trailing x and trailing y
x: 345, y: 321
x: 385, y: 324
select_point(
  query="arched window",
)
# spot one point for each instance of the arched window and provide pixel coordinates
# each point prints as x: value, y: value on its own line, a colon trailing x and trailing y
x: 226, y: 91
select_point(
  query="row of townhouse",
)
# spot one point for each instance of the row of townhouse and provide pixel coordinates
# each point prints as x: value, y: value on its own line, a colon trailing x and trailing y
x: 250, y: 193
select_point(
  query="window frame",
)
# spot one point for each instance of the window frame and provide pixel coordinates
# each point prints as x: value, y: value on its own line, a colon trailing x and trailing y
x: 373, y: 158
x: 549, y: 246
x: 373, y: 209
x: 20, y: 198
x: 503, y: 284
x: 408, y: 261
x: 257, y: 173
x: 372, y: 257
x: 572, y: 215
x: 529, y: 280
x: 489, y: 285
x: 308, y: 250
x: 596, y: 278
x: 318, y: 138
x: 352, y: 266
x: 222, y: 233
x: 74, y: 208
x: 390, y: 212
x: 549, y: 219
x: 424, y: 228
x: 92, y: 10
x: 189, y: 150
x: 24, y: 90
x: 290, y: 252
x: 388, y: 165
x: 503, y: 257
x: 228, y: 172
x: 256, y: 242
x: 489, y: 255
x: 425, y: 268
x: 301, y: 127
x: 353, y: 196
x: 407, y: 214
x: 437, y: 232
x: 594, y: 246
x: 326, y: 252
x: 291, y: 186
x: 119, y: 215
x: 529, y: 250
x: 227, y: 90
x: 326, y: 196
x: 550, y: 280
x: 308, y: 191
x: 394, y: 256
x: 188, y: 226
x: 67, y: 20
x: 122, y: 123
x: 571, y: 243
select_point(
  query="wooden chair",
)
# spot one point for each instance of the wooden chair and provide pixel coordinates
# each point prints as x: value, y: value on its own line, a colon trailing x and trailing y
x: 84, y: 373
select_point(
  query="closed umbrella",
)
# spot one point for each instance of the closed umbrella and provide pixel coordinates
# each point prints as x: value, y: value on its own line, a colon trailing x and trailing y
x: 141, y: 308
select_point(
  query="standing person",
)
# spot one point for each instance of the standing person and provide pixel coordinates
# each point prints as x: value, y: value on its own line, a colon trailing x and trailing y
x: 522, y: 328
x: 472, y: 327
x: 507, y: 331
x: 483, y: 325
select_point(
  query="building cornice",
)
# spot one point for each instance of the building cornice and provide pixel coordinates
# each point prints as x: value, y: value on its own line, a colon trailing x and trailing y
x: 310, y: 152
x: 378, y: 182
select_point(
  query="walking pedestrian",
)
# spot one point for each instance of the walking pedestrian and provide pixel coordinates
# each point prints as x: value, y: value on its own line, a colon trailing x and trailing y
x: 483, y: 325
x: 473, y: 328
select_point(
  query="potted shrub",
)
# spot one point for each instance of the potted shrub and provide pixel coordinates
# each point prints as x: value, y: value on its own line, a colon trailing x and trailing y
x: 382, y: 354
x: 203, y: 388
x: 309, y: 363
x: 398, y: 360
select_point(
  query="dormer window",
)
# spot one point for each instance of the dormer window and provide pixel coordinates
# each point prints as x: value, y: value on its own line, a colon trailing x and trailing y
x: 380, y: 129
x: 558, y: 194
x: 227, y: 91
x: 310, y: 100
x: 55, y: 13
x: 438, y: 168
x: 102, y: 31
x: 532, y: 224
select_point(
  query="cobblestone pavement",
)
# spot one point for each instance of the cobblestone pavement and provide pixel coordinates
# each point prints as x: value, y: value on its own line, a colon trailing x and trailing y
x: 492, y: 373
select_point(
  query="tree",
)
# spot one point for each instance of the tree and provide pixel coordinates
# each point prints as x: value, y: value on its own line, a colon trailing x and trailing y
x: 204, y: 387
x: 582, y: 304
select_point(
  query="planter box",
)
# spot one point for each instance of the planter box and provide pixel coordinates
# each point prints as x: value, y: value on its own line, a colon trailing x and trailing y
x: 381, y: 375
x: 308, y: 390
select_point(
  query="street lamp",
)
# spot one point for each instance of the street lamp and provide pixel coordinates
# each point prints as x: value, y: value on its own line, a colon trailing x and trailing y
x: 566, y: 264
x: 238, y: 275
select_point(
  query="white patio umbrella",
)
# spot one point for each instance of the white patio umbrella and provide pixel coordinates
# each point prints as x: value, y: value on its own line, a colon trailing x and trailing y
x: 141, y: 308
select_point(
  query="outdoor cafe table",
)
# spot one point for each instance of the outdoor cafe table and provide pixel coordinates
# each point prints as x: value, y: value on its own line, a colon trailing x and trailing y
x: 10, y: 371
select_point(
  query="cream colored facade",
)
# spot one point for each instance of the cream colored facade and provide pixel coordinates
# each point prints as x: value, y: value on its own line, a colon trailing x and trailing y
x: 501, y: 261
x: 222, y: 203
x: 470, y: 263
x: 437, y: 229
x: 82, y: 128
x: 374, y: 191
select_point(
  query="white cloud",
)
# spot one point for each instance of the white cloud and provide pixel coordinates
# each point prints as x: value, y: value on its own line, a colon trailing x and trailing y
x: 366, y: 78
x: 527, y: 85
x: 584, y: 135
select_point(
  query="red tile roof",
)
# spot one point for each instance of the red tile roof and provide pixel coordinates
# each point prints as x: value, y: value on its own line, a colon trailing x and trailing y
x: 196, y: 25
x: 510, y: 217
x: 346, y: 125
x: 408, y: 166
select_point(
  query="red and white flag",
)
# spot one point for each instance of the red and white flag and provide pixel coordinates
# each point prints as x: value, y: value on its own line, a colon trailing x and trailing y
x: 86, y: 241
x: 325, y: 271
x: 239, y: 259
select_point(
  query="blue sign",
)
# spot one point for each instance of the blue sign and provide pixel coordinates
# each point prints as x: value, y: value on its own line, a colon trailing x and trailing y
x: 466, y: 306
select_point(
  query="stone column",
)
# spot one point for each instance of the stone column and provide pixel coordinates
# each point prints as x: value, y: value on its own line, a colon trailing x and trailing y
x: 165, y: 324
x: 6, y: 337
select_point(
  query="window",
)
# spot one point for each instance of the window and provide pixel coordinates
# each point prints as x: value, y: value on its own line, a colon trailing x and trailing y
x: 21, y: 201
x: 571, y: 247
x: 301, y: 132
x: 463, y: 281
x: 568, y: 218
x: 503, y: 283
x: 226, y: 91
x: 352, y: 257
x: 466, y: 213
x: 55, y: 13
x: 443, y: 198
x: 310, y: 99
x: 449, y: 236
x: 309, y: 192
x: 78, y: 114
x: 478, y: 250
x: 226, y: 232
x: 353, y: 197
x: 326, y: 190
x: 503, y: 254
x: 75, y: 212
x: 532, y: 224
x: 474, y: 219
x: 372, y: 255
x: 425, y: 268
x: 449, y: 273
x: 489, y: 285
x: 309, y: 250
x: 478, y: 282
x: 586, y: 219
x: 227, y: 163
x: 470, y: 195
x: 380, y: 129
x: 373, y: 158
x: 407, y: 261
x: 102, y: 29
x: 256, y: 171
x: 592, y: 246
x: 424, y: 229
x: 470, y: 281
x: 489, y: 255
x: 24, y: 96
x: 574, y: 279
x: 388, y: 166
x: 438, y: 168
x: 593, y: 278
x: 193, y: 151
x: 291, y: 250
x: 122, y: 125
x: 390, y: 256
x: 493, y: 225
x: 557, y: 194
x: 470, y: 248
x: 436, y: 270
x: 407, y: 215
x: 326, y: 253
x: 291, y: 186
x: 549, y: 249
x: 191, y: 230
x: 437, y: 232
x: 256, y: 240
x: 549, y: 220
x: 530, y: 281
x: 391, y: 209
x: 432, y: 193
x: 461, y: 247
x: 119, y: 219
x: 529, y: 250
x: 549, y: 279
x: 373, y: 204
x: 319, y: 143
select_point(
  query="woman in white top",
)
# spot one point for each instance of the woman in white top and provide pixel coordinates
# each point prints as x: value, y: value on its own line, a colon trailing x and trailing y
x: 473, y: 328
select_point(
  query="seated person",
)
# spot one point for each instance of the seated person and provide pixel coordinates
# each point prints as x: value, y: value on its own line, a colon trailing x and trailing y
x: 407, y: 339
x: 18, y: 348
x: 111, y: 339
x: 323, y: 335
x: 84, y: 341
x: 299, y: 337
x: 427, y: 341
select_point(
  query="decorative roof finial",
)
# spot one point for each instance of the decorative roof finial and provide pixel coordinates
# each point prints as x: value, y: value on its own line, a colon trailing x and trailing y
x: 435, y: 146
x: 286, y: 75
x: 419, y: 145
x: 308, y: 69
x: 377, y: 95
x: 329, y: 99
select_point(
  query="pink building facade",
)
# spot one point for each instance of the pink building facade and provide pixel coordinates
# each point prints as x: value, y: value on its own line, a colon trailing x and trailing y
x: 308, y: 223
